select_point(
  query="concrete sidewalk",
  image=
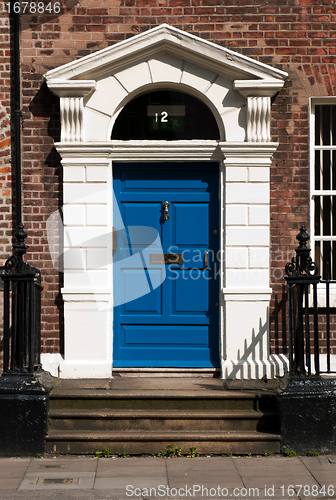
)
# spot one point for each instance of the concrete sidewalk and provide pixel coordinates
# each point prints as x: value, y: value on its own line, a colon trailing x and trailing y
x: 88, y: 478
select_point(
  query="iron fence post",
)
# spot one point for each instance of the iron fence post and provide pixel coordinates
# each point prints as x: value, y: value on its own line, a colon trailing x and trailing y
x: 306, y: 402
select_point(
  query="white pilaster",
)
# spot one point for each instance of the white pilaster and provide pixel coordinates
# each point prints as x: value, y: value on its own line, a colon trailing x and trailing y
x: 246, y: 242
x: 87, y: 292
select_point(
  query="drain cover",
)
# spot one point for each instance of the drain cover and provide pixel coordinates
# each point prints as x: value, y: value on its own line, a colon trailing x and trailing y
x: 53, y: 466
x: 56, y: 480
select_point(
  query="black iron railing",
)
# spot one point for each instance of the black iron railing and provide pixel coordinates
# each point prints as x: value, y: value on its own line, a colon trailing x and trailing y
x: 327, y: 283
x: 304, y: 314
x: 21, y: 313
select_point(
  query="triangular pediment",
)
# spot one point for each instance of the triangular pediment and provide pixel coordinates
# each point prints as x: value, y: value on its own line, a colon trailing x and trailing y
x: 236, y: 88
x: 165, y: 39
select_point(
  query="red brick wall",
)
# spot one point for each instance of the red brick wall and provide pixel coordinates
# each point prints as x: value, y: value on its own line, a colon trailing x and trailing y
x: 295, y: 36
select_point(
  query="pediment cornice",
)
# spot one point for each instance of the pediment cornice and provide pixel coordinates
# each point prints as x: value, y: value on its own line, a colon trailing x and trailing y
x: 165, y: 39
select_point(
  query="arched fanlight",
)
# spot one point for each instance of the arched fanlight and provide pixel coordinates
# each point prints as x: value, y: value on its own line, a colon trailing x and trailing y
x: 165, y: 115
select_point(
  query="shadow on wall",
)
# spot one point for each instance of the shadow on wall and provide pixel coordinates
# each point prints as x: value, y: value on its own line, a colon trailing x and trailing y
x: 278, y: 322
x: 45, y: 106
x: 58, y: 8
x: 254, y: 361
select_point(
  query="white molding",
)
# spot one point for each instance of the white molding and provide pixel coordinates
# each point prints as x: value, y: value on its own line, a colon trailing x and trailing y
x: 141, y: 150
x: 260, y: 88
x: 248, y: 153
x: 234, y: 153
x: 72, y: 88
x: 77, y: 295
x: 243, y: 294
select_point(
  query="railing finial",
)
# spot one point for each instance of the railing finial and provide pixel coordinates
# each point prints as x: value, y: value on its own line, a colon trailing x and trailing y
x: 303, y: 237
x: 16, y: 262
x: 302, y: 264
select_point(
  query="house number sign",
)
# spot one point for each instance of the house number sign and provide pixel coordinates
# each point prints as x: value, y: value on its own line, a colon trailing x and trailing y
x: 166, y: 117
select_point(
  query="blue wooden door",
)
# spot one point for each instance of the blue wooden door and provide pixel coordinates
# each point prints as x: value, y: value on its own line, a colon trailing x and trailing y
x: 166, y: 275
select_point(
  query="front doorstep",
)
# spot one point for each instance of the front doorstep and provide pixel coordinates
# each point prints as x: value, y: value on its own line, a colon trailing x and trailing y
x: 307, y: 408
x: 23, y: 416
x: 145, y: 415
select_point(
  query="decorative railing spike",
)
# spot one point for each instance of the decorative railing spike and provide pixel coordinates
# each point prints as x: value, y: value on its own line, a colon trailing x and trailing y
x: 302, y: 264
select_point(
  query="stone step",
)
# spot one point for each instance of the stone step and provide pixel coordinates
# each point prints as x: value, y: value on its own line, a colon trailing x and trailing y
x: 150, y: 442
x: 161, y: 420
x: 145, y: 416
x: 162, y: 400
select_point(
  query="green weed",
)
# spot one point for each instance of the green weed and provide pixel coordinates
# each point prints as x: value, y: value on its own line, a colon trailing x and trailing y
x: 171, y: 451
x: 104, y: 454
x: 289, y: 453
x: 313, y: 453
x: 191, y: 453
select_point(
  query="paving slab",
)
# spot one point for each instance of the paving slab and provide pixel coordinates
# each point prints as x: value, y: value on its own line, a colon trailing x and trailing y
x: 131, y: 461
x: 72, y: 464
x: 39, y: 482
x: 325, y: 478
x: 127, y: 483
x: 324, y: 462
x: 208, y: 478
x: 278, y: 481
x: 13, y: 467
x: 200, y: 463
x: 292, y: 467
x: 107, y: 479
x: 79, y: 494
x: 59, y: 474
x: 111, y: 470
x: 10, y: 483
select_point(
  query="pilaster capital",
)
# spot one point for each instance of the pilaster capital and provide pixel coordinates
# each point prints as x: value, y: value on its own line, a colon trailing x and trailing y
x: 258, y: 88
x: 72, y: 88
x: 258, y: 94
x: 72, y: 94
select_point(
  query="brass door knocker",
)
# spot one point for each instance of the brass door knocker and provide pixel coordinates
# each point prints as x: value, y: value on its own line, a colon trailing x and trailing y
x: 165, y: 210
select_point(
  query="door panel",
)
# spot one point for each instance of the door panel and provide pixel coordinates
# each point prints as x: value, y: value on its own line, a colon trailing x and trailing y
x: 196, y: 216
x: 149, y: 303
x: 166, y: 313
x: 190, y: 293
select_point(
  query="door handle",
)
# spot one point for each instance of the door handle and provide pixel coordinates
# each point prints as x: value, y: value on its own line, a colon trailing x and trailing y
x: 165, y: 210
x: 206, y: 261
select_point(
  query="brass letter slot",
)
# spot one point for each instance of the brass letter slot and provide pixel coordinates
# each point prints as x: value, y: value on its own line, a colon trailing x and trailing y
x: 166, y: 258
